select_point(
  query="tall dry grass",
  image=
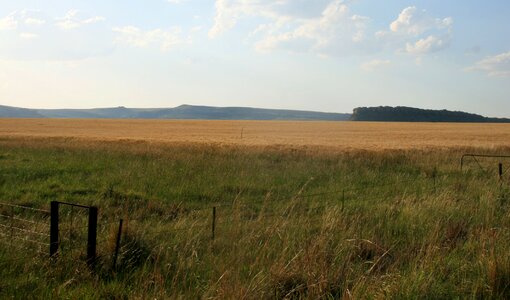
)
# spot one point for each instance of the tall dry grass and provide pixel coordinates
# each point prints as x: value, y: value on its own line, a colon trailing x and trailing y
x: 291, y: 222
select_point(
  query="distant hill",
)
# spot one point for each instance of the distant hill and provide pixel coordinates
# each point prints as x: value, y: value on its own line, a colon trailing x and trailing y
x: 410, y: 114
x: 181, y: 112
x: 15, y: 112
x: 192, y: 112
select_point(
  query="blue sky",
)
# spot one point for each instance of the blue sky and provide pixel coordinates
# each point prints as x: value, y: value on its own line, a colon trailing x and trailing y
x: 323, y: 55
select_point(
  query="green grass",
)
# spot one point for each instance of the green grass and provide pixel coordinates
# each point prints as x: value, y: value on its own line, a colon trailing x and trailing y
x: 291, y: 223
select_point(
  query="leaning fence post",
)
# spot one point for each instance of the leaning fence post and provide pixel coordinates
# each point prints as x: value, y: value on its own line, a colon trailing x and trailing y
x: 53, y: 228
x: 117, y: 245
x: 213, y: 221
x: 92, y: 236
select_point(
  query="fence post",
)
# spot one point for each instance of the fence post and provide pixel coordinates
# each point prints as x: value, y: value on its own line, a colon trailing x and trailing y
x: 434, y: 175
x: 12, y: 226
x: 343, y: 199
x: 213, y: 221
x: 117, y: 245
x: 92, y: 236
x: 71, y: 229
x: 54, y: 228
x: 500, y: 171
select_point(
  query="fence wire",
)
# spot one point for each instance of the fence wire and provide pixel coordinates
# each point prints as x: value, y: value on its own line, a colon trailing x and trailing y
x: 73, y: 231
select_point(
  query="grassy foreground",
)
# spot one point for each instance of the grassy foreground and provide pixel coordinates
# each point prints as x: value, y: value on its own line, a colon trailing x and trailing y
x: 291, y: 223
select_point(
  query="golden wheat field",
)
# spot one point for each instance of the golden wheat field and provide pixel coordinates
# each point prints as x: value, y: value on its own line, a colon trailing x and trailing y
x: 337, y: 135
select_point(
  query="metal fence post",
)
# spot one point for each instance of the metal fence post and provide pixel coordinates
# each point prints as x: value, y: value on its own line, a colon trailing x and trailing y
x: 92, y: 236
x: 54, y: 228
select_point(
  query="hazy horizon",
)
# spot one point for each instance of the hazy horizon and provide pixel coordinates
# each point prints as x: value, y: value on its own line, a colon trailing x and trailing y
x: 323, y: 55
x: 183, y: 104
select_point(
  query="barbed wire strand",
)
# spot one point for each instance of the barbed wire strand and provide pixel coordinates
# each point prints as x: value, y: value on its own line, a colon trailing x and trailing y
x: 25, y: 207
x: 24, y: 230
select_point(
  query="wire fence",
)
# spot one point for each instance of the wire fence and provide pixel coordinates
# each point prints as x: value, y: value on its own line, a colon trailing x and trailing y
x: 30, y: 226
x: 485, y: 162
x: 24, y: 226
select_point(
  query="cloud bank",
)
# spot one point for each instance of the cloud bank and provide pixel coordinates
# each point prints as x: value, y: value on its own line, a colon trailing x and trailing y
x: 330, y: 28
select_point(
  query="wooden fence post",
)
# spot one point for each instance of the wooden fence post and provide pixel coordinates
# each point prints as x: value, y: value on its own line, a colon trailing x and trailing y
x: 117, y: 245
x: 12, y: 226
x: 54, y: 228
x: 92, y: 236
x: 213, y: 221
x: 500, y: 171
x: 343, y: 199
x: 434, y: 175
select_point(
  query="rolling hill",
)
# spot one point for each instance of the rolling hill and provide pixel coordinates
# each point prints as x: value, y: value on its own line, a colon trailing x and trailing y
x: 193, y: 112
x: 15, y: 112
x: 181, y: 112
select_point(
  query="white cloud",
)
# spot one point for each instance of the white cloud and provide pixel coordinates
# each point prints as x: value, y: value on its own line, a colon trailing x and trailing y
x: 47, y: 40
x: 26, y: 18
x: 225, y: 18
x: 20, y: 19
x: 418, y: 31
x: 68, y: 21
x: 9, y: 22
x: 164, y: 39
x: 93, y: 20
x: 429, y: 44
x: 375, y: 64
x: 495, y: 66
x: 279, y: 12
x: 329, y: 28
x: 336, y: 32
x: 415, y: 22
x: 34, y: 21
x: 28, y: 35
x: 324, y: 27
x: 71, y: 21
x: 445, y: 23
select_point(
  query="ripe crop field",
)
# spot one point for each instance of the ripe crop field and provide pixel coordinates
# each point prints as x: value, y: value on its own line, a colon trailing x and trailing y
x: 387, y: 214
x: 336, y: 135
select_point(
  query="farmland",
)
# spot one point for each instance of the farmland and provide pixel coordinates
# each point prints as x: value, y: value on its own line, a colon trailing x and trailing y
x: 333, y: 135
x: 303, y: 209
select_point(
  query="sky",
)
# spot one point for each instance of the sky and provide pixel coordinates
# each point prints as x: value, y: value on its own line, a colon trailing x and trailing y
x: 321, y: 55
